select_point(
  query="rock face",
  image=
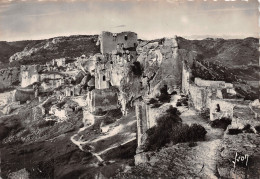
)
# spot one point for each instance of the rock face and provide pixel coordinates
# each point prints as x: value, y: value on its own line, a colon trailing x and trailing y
x: 8, y: 77
x: 161, y: 65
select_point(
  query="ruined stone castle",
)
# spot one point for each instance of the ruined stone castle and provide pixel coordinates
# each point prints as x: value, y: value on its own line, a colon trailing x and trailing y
x: 111, y: 68
x: 111, y: 41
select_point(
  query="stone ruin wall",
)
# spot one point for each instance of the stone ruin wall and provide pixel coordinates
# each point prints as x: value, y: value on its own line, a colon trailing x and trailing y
x: 103, y: 99
x: 185, y: 83
x: 225, y: 109
x: 29, y: 75
x: 146, y: 118
x: 109, y: 41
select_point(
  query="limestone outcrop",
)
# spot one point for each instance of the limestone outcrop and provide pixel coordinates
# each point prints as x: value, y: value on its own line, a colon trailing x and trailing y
x: 161, y: 65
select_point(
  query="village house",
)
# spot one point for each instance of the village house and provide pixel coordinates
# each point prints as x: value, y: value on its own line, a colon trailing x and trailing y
x: 59, y: 62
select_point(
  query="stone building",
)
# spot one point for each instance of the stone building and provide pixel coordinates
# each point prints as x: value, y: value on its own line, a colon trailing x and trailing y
x: 51, y: 80
x: 102, y: 76
x: 111, y: 41
x: 103, y: 99
x: 59, y: 62
x: 29, y: 74
x: 202, y: 92
x: 221, y: 109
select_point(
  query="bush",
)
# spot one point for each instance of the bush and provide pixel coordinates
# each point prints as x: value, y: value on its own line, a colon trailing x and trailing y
x: 152, y: 101
x: 257, y: 128
x: 108, y: 120
x: 44, y: 123
x: 221, y: 123
x: 247, y: 129
x: 197, y: 132
x: 178, y: 104
x: 137, y: 69
x: 234, y: 131
x: 169, y: 129
x: 159, y: 136
x: 99, y: 112
x: 164, y: 96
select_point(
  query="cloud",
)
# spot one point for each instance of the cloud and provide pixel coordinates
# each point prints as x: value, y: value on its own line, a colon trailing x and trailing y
x: 119, y: 26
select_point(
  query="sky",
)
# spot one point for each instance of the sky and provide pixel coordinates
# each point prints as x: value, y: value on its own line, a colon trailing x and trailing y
x: 41, y: 19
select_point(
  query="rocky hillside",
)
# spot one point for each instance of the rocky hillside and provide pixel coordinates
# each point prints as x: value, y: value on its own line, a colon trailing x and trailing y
x: 233, y: 60
x: 7, y: 49
x: 42, y: 51
x: 238, y: 56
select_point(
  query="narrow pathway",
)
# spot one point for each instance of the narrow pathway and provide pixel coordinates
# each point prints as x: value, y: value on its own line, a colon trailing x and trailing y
x: 206, y: 152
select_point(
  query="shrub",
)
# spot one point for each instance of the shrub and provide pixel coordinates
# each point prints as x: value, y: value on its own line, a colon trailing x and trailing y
x: 193, y: 144
x: 137, y: 69
x: 178, y: 104
x: 152, y: 101
x: 257, y: 128
x: 99, y: 112
x: 44, y: 123
x: 234, y: 131
x: 164, y: 96
x: 221, y: 123
x: 159, y: 136
x: 247, y: 129
x: 108, y: 120
x: 169, y: 129
x: 185, y: 102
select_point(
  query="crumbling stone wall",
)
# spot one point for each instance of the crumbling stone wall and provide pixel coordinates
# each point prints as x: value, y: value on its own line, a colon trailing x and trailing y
x: 103, y: 99
x: 185, y: 80
x: 29, y: 75
x: 146, y: 117
x: 220, y: 109
x: 111, y: 41
x: 210, y: 83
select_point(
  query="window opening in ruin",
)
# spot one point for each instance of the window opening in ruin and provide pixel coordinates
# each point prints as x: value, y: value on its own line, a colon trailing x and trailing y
x: 218, y: 108
x: 126, y: 37
x: 104, y: 78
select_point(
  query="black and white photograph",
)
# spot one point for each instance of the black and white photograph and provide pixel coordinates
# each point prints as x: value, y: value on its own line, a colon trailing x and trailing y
x: 129, y: 89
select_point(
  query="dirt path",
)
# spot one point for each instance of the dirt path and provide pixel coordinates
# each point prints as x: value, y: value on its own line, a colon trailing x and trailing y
x: 206, y: 152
